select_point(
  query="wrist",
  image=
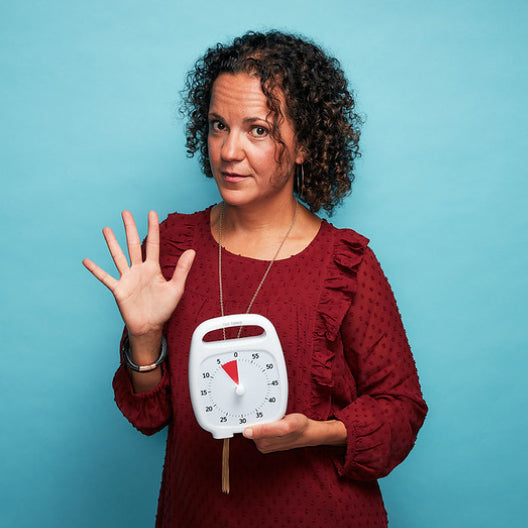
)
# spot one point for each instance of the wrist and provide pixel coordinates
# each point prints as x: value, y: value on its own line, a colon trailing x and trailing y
x: 145, y: 338
x: 331, y: 432
x: 144, y: 354
x: 144, y: 348
x: 337, y: 433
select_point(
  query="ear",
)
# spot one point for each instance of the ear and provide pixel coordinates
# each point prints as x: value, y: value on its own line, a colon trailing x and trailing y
x: 300, y: 155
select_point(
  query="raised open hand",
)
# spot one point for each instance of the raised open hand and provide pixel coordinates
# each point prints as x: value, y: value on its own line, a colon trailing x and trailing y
x: 145, y: 298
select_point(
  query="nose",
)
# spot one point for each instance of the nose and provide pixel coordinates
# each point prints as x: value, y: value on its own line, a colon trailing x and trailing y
x: 232, y: 149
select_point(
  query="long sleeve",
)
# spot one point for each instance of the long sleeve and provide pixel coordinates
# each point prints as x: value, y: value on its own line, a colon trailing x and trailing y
x: 149, y: 411
x: 384, y: 419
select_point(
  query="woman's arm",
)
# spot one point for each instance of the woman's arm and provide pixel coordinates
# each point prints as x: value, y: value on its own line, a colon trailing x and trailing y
x: 296, y: 430
x: 379, y: 427
x: 382, y: 423
x: 146, y: 300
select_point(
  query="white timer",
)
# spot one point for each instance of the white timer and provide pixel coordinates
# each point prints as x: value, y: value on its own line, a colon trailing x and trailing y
x: 236, y: 383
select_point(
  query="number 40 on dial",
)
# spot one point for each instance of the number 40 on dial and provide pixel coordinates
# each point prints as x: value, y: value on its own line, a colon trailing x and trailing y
x: 235, y: 383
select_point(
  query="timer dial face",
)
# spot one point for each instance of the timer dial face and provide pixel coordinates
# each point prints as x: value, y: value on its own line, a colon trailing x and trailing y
x: 239, y: 382
x: 238, y: 389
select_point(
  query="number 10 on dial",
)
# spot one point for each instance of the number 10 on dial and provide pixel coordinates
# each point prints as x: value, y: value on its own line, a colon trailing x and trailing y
x: 235, y: 383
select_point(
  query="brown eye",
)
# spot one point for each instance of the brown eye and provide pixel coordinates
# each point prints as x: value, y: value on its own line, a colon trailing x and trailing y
x: 259, y: 131
x: 217, y: 126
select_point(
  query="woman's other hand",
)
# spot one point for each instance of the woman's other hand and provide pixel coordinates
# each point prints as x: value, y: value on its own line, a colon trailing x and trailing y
x: 145, y: 298
x: 296, y: 430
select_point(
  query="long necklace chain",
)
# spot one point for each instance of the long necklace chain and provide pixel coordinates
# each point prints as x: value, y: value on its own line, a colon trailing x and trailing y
x: 225, y: 449
x: 265, y: 273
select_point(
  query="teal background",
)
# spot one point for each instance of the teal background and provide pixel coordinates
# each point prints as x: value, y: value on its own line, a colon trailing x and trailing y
x: 88, y: 127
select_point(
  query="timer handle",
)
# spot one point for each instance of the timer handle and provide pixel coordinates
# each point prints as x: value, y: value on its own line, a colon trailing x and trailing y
x: 228, y: 321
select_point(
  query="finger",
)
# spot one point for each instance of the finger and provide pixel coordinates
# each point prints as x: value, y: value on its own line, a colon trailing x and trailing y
x: 133, y: 241
x: 118, y: 256
x: 153, y: 240
x: 290, y: 424
x: 100, y: 274
x: 269, y: 430
x: 183, y: 267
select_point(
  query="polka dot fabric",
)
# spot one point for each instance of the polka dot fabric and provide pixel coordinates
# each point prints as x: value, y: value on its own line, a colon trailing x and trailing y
x: 347, y: 358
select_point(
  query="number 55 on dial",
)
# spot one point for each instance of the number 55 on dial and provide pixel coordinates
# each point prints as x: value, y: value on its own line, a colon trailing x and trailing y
x: 235, y: 383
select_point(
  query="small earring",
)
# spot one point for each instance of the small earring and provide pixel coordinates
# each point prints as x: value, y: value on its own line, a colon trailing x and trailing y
x: 299, y: 176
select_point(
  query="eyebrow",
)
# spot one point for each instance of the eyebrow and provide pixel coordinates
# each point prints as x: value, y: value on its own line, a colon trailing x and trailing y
x: 245, y: 120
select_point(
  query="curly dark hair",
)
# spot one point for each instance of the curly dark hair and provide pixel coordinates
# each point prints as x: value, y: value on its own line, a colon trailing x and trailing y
x: 318, y: 102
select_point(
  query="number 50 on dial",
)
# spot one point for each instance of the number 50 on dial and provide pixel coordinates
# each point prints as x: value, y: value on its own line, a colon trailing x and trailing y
x: 235, y: 383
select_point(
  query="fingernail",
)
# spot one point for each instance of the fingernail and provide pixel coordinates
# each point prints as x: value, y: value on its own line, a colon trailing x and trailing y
x: 248, y: 433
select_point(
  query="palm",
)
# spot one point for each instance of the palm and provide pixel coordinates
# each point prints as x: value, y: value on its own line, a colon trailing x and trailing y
x: 145, y: 298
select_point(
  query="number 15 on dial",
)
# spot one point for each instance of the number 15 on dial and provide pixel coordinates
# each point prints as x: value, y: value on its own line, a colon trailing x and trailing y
x: 236, y: 383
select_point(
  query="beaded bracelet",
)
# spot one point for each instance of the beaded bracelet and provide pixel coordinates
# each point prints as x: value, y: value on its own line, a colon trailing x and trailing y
x: 125, y: 350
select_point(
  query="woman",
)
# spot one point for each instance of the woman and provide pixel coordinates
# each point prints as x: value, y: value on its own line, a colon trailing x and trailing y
x: 274, y: 122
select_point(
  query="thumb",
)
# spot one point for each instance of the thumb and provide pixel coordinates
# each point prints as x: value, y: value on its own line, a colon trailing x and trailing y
x: 183, y: 267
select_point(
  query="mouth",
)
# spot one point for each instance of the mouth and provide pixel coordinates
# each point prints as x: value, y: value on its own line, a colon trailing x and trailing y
x: 233, y: 177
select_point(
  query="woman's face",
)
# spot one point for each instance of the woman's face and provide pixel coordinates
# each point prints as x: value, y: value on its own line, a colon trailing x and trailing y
x: 243, y: 155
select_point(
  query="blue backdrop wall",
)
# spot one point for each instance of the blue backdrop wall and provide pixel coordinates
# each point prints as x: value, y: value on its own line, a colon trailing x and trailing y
x: 88, y: 127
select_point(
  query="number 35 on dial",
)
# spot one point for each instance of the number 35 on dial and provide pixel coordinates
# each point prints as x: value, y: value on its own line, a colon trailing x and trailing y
x: 238, y: 382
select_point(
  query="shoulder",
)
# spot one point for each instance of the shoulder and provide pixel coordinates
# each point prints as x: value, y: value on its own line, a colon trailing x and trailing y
x: 178, y: 231
x: 356, y: 263
x: 177, y: 225
x: 178, y: 221
x: 349, y: 247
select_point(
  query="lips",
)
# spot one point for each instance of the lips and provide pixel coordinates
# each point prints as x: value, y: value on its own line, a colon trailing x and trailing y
x: 233, y: 177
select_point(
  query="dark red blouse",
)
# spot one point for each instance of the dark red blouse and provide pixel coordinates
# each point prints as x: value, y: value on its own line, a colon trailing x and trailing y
x: 347, y: 358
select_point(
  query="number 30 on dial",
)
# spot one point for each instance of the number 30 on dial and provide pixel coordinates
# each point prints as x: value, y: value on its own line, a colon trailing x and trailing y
x: 237, y: 382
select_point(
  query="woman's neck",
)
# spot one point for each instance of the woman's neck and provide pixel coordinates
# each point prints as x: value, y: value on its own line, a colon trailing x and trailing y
x: 258, y: 232
x: 257, y: 219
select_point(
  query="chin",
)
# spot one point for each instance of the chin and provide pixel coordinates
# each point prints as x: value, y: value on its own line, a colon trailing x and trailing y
x: 237, y: 199
x: 240, y: 196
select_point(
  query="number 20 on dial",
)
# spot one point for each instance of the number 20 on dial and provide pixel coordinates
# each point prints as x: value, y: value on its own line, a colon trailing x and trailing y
x: 235, y: 383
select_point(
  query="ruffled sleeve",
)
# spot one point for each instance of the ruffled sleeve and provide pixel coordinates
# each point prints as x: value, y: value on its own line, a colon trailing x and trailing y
x: 150, y: 411
x: 337, y: 294
x: 387, y: 408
